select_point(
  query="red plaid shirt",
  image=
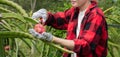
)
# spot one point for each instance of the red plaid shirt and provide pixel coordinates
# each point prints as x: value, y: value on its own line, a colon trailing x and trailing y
x: 92, y: 39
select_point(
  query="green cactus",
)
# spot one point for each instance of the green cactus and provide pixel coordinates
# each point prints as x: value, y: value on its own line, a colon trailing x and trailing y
x: 14, y: 5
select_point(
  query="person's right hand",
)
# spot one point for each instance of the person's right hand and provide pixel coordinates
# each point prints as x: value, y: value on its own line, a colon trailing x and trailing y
x: 42, y: 13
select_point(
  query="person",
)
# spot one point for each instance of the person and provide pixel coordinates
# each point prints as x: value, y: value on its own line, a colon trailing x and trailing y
x: 85, y: 25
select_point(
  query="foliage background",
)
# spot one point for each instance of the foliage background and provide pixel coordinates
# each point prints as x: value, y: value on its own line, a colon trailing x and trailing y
x: 30, y: 48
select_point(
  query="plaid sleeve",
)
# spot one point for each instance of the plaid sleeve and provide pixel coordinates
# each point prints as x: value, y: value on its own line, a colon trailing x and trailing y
x: 90, y: 35
x: 59, y: 20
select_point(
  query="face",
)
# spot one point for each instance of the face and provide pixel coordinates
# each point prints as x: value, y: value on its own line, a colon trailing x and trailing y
x: 78, y: 3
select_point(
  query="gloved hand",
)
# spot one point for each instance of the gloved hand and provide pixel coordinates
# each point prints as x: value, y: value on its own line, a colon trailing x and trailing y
x: 42, y: 13
x: 44, y: 35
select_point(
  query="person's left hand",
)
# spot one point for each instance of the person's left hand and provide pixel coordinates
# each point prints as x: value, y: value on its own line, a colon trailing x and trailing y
x: 44, y: 35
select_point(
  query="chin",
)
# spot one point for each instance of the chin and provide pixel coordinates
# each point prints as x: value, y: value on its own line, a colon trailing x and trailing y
x: 74, y: 5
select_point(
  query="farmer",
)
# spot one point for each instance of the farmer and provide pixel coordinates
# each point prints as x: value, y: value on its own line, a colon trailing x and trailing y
x: 85, y: 25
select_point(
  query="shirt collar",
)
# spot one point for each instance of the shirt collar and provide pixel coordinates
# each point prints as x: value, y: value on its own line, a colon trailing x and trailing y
x: 91, y: 6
